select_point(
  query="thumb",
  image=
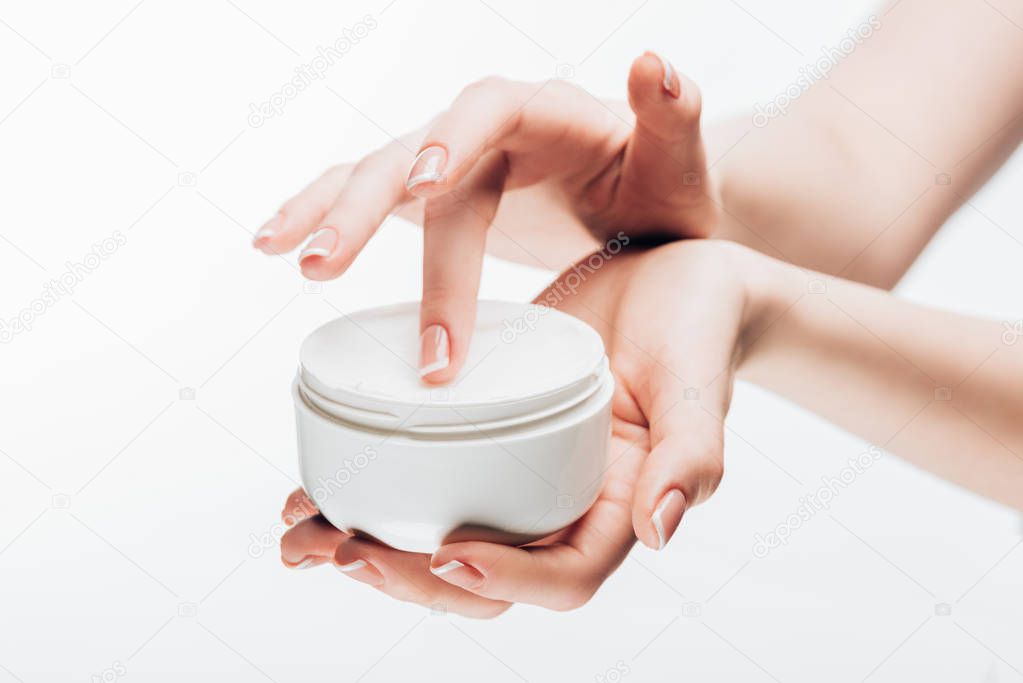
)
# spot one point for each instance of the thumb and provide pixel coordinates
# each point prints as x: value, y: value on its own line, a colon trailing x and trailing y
x: 684, y: 395
x: 683, y: 468
x: 665, y: 157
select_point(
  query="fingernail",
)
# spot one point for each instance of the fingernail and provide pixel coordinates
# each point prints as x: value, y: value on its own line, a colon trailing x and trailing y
x: 667, y: 516
x: 320, y: 244
x: 361, y: 570
x: 460, y: 574
x: 307, y: 562
x: 428, y: 167
x: 269, y: 229
x: 433, y: 350
x: 669, y: 80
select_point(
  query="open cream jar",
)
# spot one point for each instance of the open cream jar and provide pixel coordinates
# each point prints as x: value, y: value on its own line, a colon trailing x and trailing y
x: 511, y: 451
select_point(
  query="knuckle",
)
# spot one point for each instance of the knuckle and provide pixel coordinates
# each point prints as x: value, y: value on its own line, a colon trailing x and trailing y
x: 562, y: 88
x: 293, y: 205
x: 369, y: 163
x: 443, y: 299
x: 338, y: 172
x: 576, y: 595
x: 488, y: 611
x: 492, y: 92
x: 405, y: 591
x: 442, y: 208
x: 485, y: 85
x: 437, y: 291
x: 714, y: 471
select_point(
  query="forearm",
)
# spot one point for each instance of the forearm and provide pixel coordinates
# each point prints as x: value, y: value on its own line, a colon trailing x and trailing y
x: 938, y: 389
x: 883, y: 149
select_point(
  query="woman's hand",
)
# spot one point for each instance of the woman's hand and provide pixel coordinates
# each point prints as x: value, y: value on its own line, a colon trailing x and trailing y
x: 675, y: 321
x: 581, y: 157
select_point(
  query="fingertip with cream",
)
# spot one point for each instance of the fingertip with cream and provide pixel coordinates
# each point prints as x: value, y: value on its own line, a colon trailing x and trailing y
x: 434, y: 350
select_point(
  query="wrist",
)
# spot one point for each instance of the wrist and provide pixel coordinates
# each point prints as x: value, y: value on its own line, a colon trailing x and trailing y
x: 771, y: 288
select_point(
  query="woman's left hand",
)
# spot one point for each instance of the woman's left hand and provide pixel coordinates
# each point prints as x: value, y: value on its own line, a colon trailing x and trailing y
x: 674, y: 321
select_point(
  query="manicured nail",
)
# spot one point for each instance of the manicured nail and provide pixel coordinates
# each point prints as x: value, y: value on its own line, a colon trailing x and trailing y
x: 428, y: 167
x: 320, y: 244
x: 269, y: 229
x: 667, y: 515
x: 361, y: 570
x: 433, y: 350
x: 669, y: 80
x: 310, y: 561
x: 460, y: 574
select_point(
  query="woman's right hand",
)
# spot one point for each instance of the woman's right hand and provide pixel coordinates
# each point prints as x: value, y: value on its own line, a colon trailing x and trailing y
x: 578, y: 155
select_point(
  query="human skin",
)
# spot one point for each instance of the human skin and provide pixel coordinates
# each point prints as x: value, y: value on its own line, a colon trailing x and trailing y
x: 844, y: 183
x: 939, y: 389
x: 563, y: 572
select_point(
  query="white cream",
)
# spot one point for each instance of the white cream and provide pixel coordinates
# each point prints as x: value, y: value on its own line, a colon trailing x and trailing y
x: 517, y: 351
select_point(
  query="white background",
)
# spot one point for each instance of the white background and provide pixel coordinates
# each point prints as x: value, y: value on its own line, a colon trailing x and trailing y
x: 128, y: 514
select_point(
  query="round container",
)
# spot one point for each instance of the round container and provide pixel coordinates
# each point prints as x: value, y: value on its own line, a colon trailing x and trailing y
x: 511, y: 451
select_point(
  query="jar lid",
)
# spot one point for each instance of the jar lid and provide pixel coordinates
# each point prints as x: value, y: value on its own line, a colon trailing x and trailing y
x: 524, y: 362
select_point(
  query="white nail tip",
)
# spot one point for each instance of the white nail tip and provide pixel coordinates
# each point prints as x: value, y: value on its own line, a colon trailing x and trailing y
x: 658, y: 522
x: 314, y: 251
x: 265, y: 232
x: 304, y: 564
x: 441, y: 351
x: 430, y: 173
x: 433, y: 367
x: 430, y: 177
x: 445, y: 568
x: 351, y: 566
x: 669, y: 72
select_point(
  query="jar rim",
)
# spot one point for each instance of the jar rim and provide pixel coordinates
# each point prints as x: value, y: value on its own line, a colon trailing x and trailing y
x: 430, y: 422
x: 555, y: 364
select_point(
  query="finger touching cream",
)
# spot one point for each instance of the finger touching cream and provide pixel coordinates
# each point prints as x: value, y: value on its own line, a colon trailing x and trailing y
x: 510, y: 451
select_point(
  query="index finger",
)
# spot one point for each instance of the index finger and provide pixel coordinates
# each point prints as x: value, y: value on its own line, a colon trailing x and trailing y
x: 454, y: 240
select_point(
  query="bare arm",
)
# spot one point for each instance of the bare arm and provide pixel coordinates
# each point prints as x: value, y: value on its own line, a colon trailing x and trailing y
x: 939, y: 389
x: 934, y: 94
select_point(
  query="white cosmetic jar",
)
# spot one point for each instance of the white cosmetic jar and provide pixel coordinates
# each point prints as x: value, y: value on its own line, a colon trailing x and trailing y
x: 510, y: 451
